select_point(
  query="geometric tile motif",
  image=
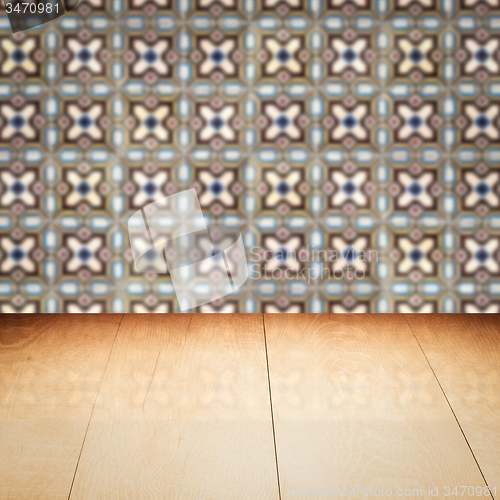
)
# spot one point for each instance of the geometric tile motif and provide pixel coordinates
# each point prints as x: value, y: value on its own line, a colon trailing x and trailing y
x: 314, y: 127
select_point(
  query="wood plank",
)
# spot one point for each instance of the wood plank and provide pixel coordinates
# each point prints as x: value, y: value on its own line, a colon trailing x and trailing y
x: 183, y: 413
x: 53, y: 365
x: 356, y: 405
x: 464, y: 352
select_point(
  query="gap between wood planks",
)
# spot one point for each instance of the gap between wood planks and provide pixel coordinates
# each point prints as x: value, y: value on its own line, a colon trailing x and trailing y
x: 92, y: 412
x: 451, y: 408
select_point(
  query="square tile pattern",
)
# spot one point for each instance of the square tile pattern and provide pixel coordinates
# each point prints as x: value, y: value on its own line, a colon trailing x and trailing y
x: 327, y: 125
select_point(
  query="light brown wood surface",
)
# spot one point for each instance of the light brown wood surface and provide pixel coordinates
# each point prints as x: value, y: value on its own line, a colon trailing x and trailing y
x: 464, y: 352
x: 97, y: 407
x: 183, y: 413
x: 51, y: 367
x: 356, y: 405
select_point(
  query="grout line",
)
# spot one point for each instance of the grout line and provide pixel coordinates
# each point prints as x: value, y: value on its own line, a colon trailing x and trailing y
x: 92, y: 412
x: 272, y: 412
x: 449, y: 404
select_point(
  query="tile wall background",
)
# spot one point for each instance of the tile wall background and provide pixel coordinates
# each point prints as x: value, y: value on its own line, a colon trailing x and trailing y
x: 325, y: 124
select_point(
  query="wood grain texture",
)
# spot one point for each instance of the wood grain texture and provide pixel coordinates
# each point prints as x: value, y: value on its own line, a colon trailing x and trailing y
x: 183, y: 413
x: 182, y: 406
x: 356, y: 404
x: 51, y: 368
x: 464, y: 352
x: 39, y: 449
